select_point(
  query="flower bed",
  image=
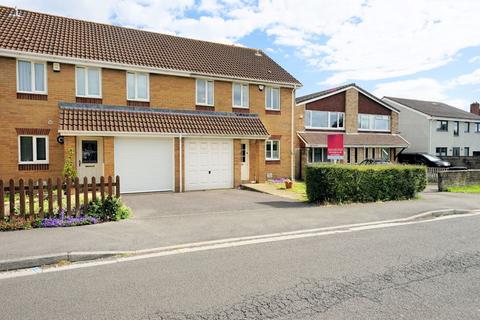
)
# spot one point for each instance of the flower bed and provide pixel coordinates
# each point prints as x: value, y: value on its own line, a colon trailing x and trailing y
x: 110, y: 209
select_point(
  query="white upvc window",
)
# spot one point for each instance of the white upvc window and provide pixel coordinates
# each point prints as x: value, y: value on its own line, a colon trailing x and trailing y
x: 138, y: 86
x: 88, y: 82
x: 204, y: 92
x: 272, y: 150
x: 32, y: 149
x: 373, y: 122
x: 328, y: 120
x: 316, y: 155
x: 31, y: 77
x: 240, y: 95
x: 272, y: 98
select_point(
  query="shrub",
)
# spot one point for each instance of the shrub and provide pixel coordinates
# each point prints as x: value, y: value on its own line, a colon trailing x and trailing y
x: 341, y: 183
x: 69, y: 170
x: 16, y: 224
x: 111, y: 209
x: 123, y: 212
x: 93, y: 209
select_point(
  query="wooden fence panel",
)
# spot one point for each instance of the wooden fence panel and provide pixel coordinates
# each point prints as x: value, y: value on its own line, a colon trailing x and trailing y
x: 31, y: 197
x: 21, y: 190
x: 41, y: 192
x: 40, y: 198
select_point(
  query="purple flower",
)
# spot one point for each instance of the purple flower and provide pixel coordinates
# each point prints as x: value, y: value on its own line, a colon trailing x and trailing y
x: 61, y: 221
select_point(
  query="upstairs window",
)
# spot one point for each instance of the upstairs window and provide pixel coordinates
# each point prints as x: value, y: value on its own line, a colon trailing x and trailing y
x: 456, y: 128
x: 240, y: 95
x: 32, y: 149
x: 324, y: 119
x: 272, y: 98
x: 373, y: 122
x: 204, y: 94
x: 137, y: 86
x: 31, y: 77
x: 467, y: 127
x: 477, y: 127
x: 442, y: 125
x: 272, y: 150
x: 88, y: 82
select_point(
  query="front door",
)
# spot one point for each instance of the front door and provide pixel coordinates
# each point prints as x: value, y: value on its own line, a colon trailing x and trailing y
x: 90, y: 157
x: 245, y: 166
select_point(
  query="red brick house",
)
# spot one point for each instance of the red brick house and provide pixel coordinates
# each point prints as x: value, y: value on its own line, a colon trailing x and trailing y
x: 369, y: 125
x: 163, y: 112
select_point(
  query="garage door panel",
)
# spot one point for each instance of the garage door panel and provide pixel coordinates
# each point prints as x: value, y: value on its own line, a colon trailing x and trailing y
x: 144, y: 164
x: 209, y: 164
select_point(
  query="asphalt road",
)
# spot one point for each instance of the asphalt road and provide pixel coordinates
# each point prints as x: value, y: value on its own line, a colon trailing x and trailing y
x: 418, y: 271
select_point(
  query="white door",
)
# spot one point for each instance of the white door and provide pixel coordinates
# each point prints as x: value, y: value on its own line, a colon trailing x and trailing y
x: 245, y: 162
x: 144, y: 164
x: 208, y: 164
x: 90, y: 157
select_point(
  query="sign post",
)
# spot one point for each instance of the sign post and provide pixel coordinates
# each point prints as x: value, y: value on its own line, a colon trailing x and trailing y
x: 335, y: 147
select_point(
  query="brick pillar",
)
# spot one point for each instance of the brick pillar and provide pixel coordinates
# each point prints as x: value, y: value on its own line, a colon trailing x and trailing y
x: 351, y: 111
x: 394, y: 122
x: 237, y: 163
x: 176, y: 142
x: 475, y: 108
x: 108, y: 157
x: 260, y: 160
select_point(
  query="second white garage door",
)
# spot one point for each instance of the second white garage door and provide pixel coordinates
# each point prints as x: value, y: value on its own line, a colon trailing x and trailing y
x: 208, y: 164
x: 144, y: 164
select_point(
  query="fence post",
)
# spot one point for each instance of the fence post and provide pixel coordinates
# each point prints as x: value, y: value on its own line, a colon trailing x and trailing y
x: 77, y: 196
x: 30, y: 198
x: 85, y: 191
x: 117, y: 186
x: 69, y: 198
x: 102, y: 188
x: 50, y: 196
x: 94, y: 189
x: 11, y: 193
x: 2, y: 201
x: 59, y: 194
x: 110, y: 189
x: 21, y: 190
x: 40, y: 198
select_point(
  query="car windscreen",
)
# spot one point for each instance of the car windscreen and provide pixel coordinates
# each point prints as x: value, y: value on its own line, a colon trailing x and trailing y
x: 432, y: 158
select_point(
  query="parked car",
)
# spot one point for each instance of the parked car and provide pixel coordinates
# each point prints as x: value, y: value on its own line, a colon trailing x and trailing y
x: 374, y: 161
x: 423, y: 159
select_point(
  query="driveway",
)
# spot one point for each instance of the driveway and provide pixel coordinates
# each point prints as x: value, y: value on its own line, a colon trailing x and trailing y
x: 163, y: 219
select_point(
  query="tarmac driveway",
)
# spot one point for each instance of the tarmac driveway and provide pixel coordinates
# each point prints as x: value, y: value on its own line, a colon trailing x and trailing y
x: 161, y: 204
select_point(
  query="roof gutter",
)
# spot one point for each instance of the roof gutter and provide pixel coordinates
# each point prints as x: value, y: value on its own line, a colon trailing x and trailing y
x: 138, y: 68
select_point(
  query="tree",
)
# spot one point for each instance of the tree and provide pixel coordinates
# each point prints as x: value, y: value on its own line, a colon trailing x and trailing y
x: 69, y: 170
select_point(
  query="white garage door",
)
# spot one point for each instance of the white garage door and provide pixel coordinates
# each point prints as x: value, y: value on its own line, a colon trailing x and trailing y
x: 144, y: 164
x: 208, y: 164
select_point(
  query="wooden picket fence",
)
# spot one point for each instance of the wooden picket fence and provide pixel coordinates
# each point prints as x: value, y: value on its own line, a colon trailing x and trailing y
x: 46, y: 194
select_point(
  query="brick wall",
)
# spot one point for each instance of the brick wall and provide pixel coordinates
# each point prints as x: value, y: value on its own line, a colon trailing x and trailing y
x: 351, y: 111
x: 448, y: 179
x: 165, y: 92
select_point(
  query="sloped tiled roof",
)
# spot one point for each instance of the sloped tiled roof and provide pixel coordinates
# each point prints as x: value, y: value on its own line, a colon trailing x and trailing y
x: 119, y: 119
x: 319, y: 139
x: 435, y: 109
x: 64, y: 37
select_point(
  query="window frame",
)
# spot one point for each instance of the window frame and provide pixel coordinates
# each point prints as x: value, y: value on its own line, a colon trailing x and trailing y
x: 371, y: 122
x: 242, y: 85
x: 328, y: 127
x: 439, y: 154
x: 34, y: 149
x: 477, y: 127
x: 32, y: 76
x: 467, y: 127
x: 270, y: 88
x: 206, y: 92
x: 136, y: 73
x: 456, y: 128
x: 439, y: 128
x: 454, y: 149
x: 311, y: 155
x: 86, y: 95
x: 466, y: 151
x: 270, y: 142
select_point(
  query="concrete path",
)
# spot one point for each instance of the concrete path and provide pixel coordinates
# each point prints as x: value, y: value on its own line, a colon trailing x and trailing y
x: 164, y: 219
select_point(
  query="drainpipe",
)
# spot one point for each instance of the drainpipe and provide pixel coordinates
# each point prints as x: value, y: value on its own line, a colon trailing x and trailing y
x: 292, y: 151
x: 181, y: 162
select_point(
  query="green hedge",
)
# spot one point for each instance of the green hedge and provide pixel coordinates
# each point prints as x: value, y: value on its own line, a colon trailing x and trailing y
x: 342, y: 183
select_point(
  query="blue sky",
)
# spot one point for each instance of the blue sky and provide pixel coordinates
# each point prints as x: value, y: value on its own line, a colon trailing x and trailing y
x: 424, y: 49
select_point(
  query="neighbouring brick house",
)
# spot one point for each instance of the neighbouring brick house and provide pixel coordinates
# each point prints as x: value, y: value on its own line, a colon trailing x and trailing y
x: 163, y: 112
x: 369, y: 125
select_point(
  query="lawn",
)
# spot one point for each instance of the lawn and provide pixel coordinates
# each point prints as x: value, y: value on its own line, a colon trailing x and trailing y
x: 299, y: 189
x: 465, y: 189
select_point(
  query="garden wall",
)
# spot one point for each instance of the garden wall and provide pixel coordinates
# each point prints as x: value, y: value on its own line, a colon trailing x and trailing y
x: 462, y: 178
x: 469, y: 162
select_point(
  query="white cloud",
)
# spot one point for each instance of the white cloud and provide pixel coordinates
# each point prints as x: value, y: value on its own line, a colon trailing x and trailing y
x: 467, y: 79
x: 421, y: 89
